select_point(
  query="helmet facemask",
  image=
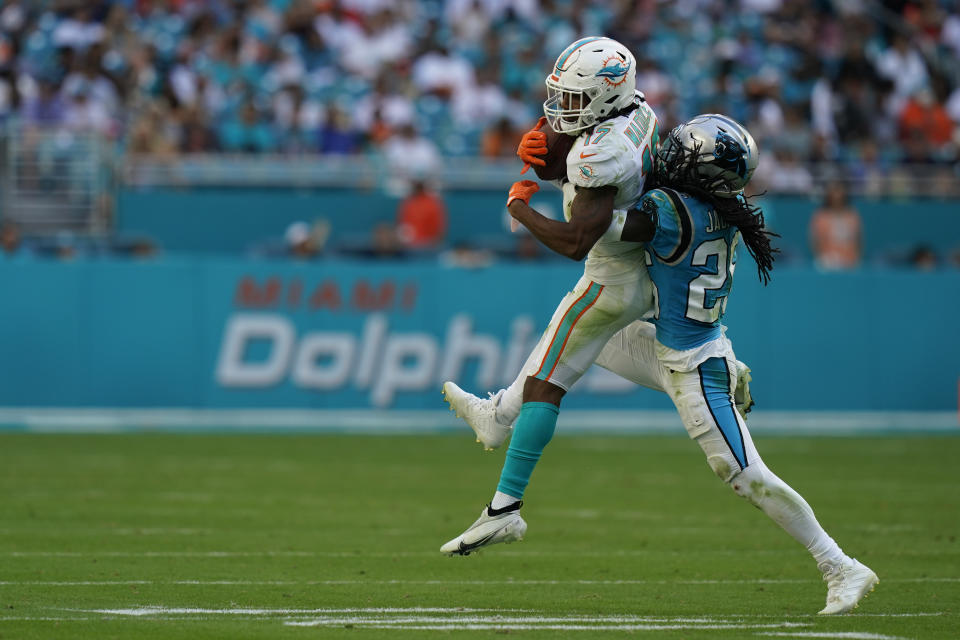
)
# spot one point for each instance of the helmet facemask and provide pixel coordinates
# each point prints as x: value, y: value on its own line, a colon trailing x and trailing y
x: 591, y: 81
x: 568, y: 110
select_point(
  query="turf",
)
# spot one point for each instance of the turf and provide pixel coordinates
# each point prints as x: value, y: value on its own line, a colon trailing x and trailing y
x: 222, y: 536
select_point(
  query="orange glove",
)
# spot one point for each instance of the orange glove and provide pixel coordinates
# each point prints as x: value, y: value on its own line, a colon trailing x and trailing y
x: 522, y: 191
x: 533, y: 144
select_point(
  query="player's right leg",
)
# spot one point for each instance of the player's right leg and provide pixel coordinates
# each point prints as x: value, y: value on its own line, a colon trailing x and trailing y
x: 500, y: 521
x: 703, y: 399
x: 492, y: 418
x: 588, y: 317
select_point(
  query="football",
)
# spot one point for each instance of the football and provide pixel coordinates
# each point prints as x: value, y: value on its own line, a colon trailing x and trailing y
x: 558, y: 146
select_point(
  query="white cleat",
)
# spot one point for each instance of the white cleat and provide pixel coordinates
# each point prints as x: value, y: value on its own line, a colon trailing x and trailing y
x: 847, y: 584
x: 503, y: 526
x: 479, y: 413
x: 741, y: 394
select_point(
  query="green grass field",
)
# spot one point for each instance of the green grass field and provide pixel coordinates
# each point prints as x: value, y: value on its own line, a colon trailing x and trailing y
x: 221, y: 536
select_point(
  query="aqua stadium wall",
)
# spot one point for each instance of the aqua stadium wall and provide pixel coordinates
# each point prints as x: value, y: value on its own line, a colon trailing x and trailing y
x: 376, y: 340
x: 236, y: 220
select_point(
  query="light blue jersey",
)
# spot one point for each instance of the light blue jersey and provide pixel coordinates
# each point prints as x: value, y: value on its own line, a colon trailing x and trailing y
x: 691, y: 260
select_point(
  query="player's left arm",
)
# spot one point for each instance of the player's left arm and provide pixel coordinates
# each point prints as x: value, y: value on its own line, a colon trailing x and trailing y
x: 639, y: 226
x: 590, y: 217
x: 656, y: 220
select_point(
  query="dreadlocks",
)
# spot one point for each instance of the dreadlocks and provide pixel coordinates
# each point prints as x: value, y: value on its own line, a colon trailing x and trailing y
x: 679, y: 172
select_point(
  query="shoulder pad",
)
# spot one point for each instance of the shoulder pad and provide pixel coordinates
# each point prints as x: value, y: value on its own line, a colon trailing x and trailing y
x: 593, y: 165
x: 674, y: 225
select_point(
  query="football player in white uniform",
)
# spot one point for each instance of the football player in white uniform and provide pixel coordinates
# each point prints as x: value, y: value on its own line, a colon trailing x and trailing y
x: 591, y: 94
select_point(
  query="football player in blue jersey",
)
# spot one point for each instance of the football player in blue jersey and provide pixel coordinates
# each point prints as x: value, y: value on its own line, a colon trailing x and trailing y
x: 691, y: 223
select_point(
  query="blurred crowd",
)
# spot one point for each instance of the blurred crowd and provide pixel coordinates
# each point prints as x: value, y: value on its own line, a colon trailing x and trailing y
x: 860, y: 92
x: 864, y: 85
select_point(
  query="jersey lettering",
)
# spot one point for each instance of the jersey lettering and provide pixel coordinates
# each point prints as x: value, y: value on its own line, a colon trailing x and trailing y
x: 597, y: 136
x: 618, y: 163
x: 716, y: 223
x: 700, y: 306
x: 647, y: 161
x: 694, y: 257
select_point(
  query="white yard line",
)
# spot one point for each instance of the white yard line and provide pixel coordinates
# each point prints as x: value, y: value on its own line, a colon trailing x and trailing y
x: 242, y: 611
x: 517, y: 620
x: 73, y: 583
x: 119, y: 531
x: 473, y: 619
x: 96, y: 553
x: 41, y: 618
x: 400, y: 615
x: 854, y: 635
x: 120, y: 420
x: 451, y: 619
x: 94, y: 583
x: 515, y: 626
x: 403, y: 554
x: 186, y: 554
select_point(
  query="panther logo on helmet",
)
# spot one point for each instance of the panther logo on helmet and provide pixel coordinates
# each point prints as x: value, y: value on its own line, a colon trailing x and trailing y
x: 729, y: 154
x: 721, y: 152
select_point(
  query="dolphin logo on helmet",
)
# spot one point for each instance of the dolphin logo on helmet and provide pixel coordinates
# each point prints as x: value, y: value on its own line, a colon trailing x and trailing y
x: 614, y: 73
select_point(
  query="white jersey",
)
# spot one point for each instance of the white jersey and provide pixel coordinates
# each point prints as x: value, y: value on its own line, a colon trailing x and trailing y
x: 618, y: 152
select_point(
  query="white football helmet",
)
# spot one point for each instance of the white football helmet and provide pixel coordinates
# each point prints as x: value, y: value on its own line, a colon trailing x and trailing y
x: 592, y: 79
x: 727, y: 154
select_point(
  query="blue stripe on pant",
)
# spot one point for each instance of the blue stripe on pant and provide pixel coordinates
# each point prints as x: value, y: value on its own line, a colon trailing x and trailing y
x: 715, y: 383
